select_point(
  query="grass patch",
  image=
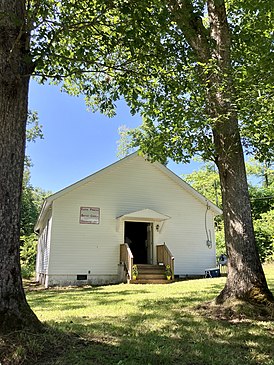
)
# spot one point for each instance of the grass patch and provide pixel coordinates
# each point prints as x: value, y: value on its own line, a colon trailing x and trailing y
x: 141, y: 324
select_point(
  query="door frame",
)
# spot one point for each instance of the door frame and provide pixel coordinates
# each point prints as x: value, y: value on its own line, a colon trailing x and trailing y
x: 149, y: 240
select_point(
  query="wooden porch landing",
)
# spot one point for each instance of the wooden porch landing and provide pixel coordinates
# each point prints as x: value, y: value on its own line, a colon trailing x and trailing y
x: 151, y: 274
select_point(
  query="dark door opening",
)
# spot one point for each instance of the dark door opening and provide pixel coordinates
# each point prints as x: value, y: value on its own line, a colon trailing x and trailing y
x: 138, y: 237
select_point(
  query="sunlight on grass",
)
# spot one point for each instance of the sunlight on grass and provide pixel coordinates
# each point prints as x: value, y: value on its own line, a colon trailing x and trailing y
x: 152, y: 324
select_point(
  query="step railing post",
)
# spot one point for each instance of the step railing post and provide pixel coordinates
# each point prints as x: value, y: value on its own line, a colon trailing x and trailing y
x: 126, y: 257
x: 165, y: 256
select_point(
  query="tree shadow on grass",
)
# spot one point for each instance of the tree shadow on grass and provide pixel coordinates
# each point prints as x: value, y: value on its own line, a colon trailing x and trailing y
x: 69, y: 298
x: 183, y: 339
x: 157, y: 331
x: 160, y: 331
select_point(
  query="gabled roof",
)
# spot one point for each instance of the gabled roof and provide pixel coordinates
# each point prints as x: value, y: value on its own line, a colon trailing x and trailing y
x: 48, y: 201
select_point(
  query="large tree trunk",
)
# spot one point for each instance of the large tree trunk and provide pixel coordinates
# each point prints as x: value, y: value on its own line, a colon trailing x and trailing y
x: 14, y: 81
x: 245, y: 279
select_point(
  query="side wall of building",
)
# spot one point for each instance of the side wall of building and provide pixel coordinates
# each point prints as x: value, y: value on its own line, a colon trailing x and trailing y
x: 43, y: 250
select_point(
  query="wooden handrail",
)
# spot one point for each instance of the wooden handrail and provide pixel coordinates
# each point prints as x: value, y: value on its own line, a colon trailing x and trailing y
x: 164, y: 256
x: 126, y: 258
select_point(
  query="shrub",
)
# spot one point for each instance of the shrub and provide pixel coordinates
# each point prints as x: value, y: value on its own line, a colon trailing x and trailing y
x: 220, y: 240
x: 28, y: 255
x: 264, y: 234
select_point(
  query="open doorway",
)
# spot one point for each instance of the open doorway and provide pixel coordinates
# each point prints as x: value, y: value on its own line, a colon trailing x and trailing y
x: 138, y: 235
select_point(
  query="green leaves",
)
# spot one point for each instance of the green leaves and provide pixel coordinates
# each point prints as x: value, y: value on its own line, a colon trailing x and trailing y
x: 35, y: 131
x: 206, y: 181
x: 32, y: 199
x: 28, y: 245
x: 264, y: 233
x: 140, y: 51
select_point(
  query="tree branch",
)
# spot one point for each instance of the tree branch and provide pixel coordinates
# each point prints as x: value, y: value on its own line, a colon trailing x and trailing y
x: 219, y: 31
x: 192, y: 27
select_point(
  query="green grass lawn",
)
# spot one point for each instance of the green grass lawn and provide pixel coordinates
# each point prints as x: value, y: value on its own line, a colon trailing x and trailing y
x: 146, y: 324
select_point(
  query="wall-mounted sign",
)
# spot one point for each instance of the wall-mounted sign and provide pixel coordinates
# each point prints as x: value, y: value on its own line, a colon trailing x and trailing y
x: 89, y: 215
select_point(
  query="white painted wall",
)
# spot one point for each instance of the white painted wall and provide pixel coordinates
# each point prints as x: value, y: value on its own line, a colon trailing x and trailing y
x: 43, y: 250
x: 130, y: 185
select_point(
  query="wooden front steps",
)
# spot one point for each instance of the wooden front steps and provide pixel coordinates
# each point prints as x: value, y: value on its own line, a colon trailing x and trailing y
x: 151, y: 274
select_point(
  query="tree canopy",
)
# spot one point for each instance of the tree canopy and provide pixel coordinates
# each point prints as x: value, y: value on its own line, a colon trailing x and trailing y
x: 141, y: 51
x: 206, y: 181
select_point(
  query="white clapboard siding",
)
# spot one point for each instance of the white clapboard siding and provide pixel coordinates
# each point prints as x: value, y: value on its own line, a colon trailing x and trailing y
x: 130, y: 185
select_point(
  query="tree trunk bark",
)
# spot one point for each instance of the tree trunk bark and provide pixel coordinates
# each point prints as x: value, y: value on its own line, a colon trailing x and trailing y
x: 14, y: 81
x: 245, y: 278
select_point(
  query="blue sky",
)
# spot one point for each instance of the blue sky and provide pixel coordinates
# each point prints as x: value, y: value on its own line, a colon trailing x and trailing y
x: 76, y: 142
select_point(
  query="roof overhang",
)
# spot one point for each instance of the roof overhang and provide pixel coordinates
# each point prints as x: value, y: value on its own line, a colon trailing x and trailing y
x: 144, y: 215
x: 45, y: 208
